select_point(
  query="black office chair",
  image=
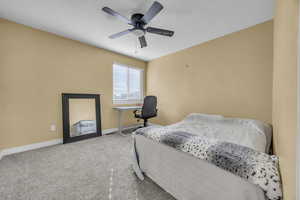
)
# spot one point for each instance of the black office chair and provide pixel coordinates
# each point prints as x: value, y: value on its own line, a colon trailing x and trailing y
x: 149, y: 109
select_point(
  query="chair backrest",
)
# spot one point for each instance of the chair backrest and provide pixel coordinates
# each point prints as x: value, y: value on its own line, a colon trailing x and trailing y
x: 149, y: 107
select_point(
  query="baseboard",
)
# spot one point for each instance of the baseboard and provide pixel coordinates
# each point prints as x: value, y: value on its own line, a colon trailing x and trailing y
x: 114, y: 130
x: 109, y: 131
x: 29, y: 147
x: 33, y: 146
x: 153, y: 124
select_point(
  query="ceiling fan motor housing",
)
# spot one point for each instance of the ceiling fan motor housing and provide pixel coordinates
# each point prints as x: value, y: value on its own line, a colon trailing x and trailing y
x: 137, y: 18
x: 138, y: 24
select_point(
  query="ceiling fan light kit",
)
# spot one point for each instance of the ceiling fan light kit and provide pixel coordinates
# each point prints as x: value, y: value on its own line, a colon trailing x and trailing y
x: 139, y: 21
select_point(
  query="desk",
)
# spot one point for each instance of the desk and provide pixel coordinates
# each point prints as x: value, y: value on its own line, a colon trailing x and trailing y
x: 120, y: 110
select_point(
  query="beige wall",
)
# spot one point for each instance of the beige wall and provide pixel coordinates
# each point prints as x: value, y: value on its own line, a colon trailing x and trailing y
x: 35, y: 68
x: 231, y: 76
x: 285, y: 92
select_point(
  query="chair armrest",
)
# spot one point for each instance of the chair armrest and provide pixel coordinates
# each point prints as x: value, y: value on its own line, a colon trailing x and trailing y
x: 135, y: 111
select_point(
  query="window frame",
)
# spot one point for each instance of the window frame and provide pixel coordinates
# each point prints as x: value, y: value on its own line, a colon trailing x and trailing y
x: 142, y: 85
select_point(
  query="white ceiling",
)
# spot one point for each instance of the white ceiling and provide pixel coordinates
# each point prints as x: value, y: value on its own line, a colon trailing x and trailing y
x: 194, y: 21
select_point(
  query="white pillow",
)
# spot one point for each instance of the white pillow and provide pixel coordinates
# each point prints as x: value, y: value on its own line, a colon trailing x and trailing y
x: 261, y: 127
x: 247, y: 132
x: 194, y: 117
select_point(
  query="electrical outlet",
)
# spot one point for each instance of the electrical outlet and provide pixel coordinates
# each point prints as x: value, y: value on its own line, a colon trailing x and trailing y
x: 53, y: 127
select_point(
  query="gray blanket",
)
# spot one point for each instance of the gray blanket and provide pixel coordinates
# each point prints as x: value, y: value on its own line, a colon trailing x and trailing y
x: 256, y: 167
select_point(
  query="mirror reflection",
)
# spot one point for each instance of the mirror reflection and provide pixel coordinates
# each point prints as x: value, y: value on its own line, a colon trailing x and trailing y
x: 82, y: 115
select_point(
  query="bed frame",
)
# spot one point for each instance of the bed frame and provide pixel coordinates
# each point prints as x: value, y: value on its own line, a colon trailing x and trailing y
x: 188, y: 178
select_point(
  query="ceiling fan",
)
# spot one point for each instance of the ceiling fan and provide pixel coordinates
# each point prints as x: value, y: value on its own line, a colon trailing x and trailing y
x: 139, y: 21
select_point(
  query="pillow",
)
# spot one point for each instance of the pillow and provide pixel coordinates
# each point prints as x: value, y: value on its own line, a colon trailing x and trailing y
x: 247, y: 132
x: 255, y: 132
x: 266, y: 129
x: 194, y: 117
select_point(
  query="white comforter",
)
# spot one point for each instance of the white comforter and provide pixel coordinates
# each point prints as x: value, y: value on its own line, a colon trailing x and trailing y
x: 246, y: 132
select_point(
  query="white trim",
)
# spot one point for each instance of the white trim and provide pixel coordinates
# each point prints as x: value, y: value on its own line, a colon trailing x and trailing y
x: 132, y: 126
x: 115, y: 130
x: 118, y: 102
x: 125, y: 65
x: 39, y: 145
x: 28, y: 147
x: 109, y: 131
x: 298, y: 118
x: 1, y: 155
x: 153, y: 124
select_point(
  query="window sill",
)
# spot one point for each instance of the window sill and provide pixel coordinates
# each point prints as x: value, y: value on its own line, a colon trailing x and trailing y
x: 128, y: 102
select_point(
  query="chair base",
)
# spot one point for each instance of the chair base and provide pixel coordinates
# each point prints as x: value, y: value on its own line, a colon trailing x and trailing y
x: 145, y: 122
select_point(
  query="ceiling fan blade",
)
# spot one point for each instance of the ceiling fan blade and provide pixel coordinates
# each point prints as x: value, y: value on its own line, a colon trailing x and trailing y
x: 160, y: 31
x: 143, y: 41
x: 152, y: 12
x: 116, y: 14
x: 116, y: 35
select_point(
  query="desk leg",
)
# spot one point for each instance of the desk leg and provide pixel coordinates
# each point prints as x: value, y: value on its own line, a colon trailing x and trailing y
x: 120, y: 122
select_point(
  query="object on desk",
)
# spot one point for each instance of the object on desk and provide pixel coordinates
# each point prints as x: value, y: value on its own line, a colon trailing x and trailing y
x: 148, y: 111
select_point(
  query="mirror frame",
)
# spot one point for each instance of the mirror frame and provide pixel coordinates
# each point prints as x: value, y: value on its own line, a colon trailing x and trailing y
x: 66, y: 116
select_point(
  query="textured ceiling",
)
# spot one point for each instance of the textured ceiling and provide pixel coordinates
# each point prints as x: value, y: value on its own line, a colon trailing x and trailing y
x: 194, y: 21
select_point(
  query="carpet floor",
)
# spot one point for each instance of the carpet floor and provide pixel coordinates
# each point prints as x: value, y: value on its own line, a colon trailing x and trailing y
x: 93, y: 169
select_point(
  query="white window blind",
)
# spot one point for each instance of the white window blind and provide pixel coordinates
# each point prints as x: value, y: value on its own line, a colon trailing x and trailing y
x: 127, y: 84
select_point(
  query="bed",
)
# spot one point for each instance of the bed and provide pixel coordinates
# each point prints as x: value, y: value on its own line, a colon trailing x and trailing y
x: 187, y: 177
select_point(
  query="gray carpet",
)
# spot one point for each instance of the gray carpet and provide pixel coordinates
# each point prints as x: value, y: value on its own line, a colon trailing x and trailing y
x: 92, y: 169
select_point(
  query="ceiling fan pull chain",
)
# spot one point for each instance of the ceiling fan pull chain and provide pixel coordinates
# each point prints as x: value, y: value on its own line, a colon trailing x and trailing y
x: 136, y: 47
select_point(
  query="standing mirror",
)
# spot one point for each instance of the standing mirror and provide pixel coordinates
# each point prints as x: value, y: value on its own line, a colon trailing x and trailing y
x: 81, y: 116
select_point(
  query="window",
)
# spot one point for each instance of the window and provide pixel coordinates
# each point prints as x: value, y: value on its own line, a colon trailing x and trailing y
x: 128, y: 84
